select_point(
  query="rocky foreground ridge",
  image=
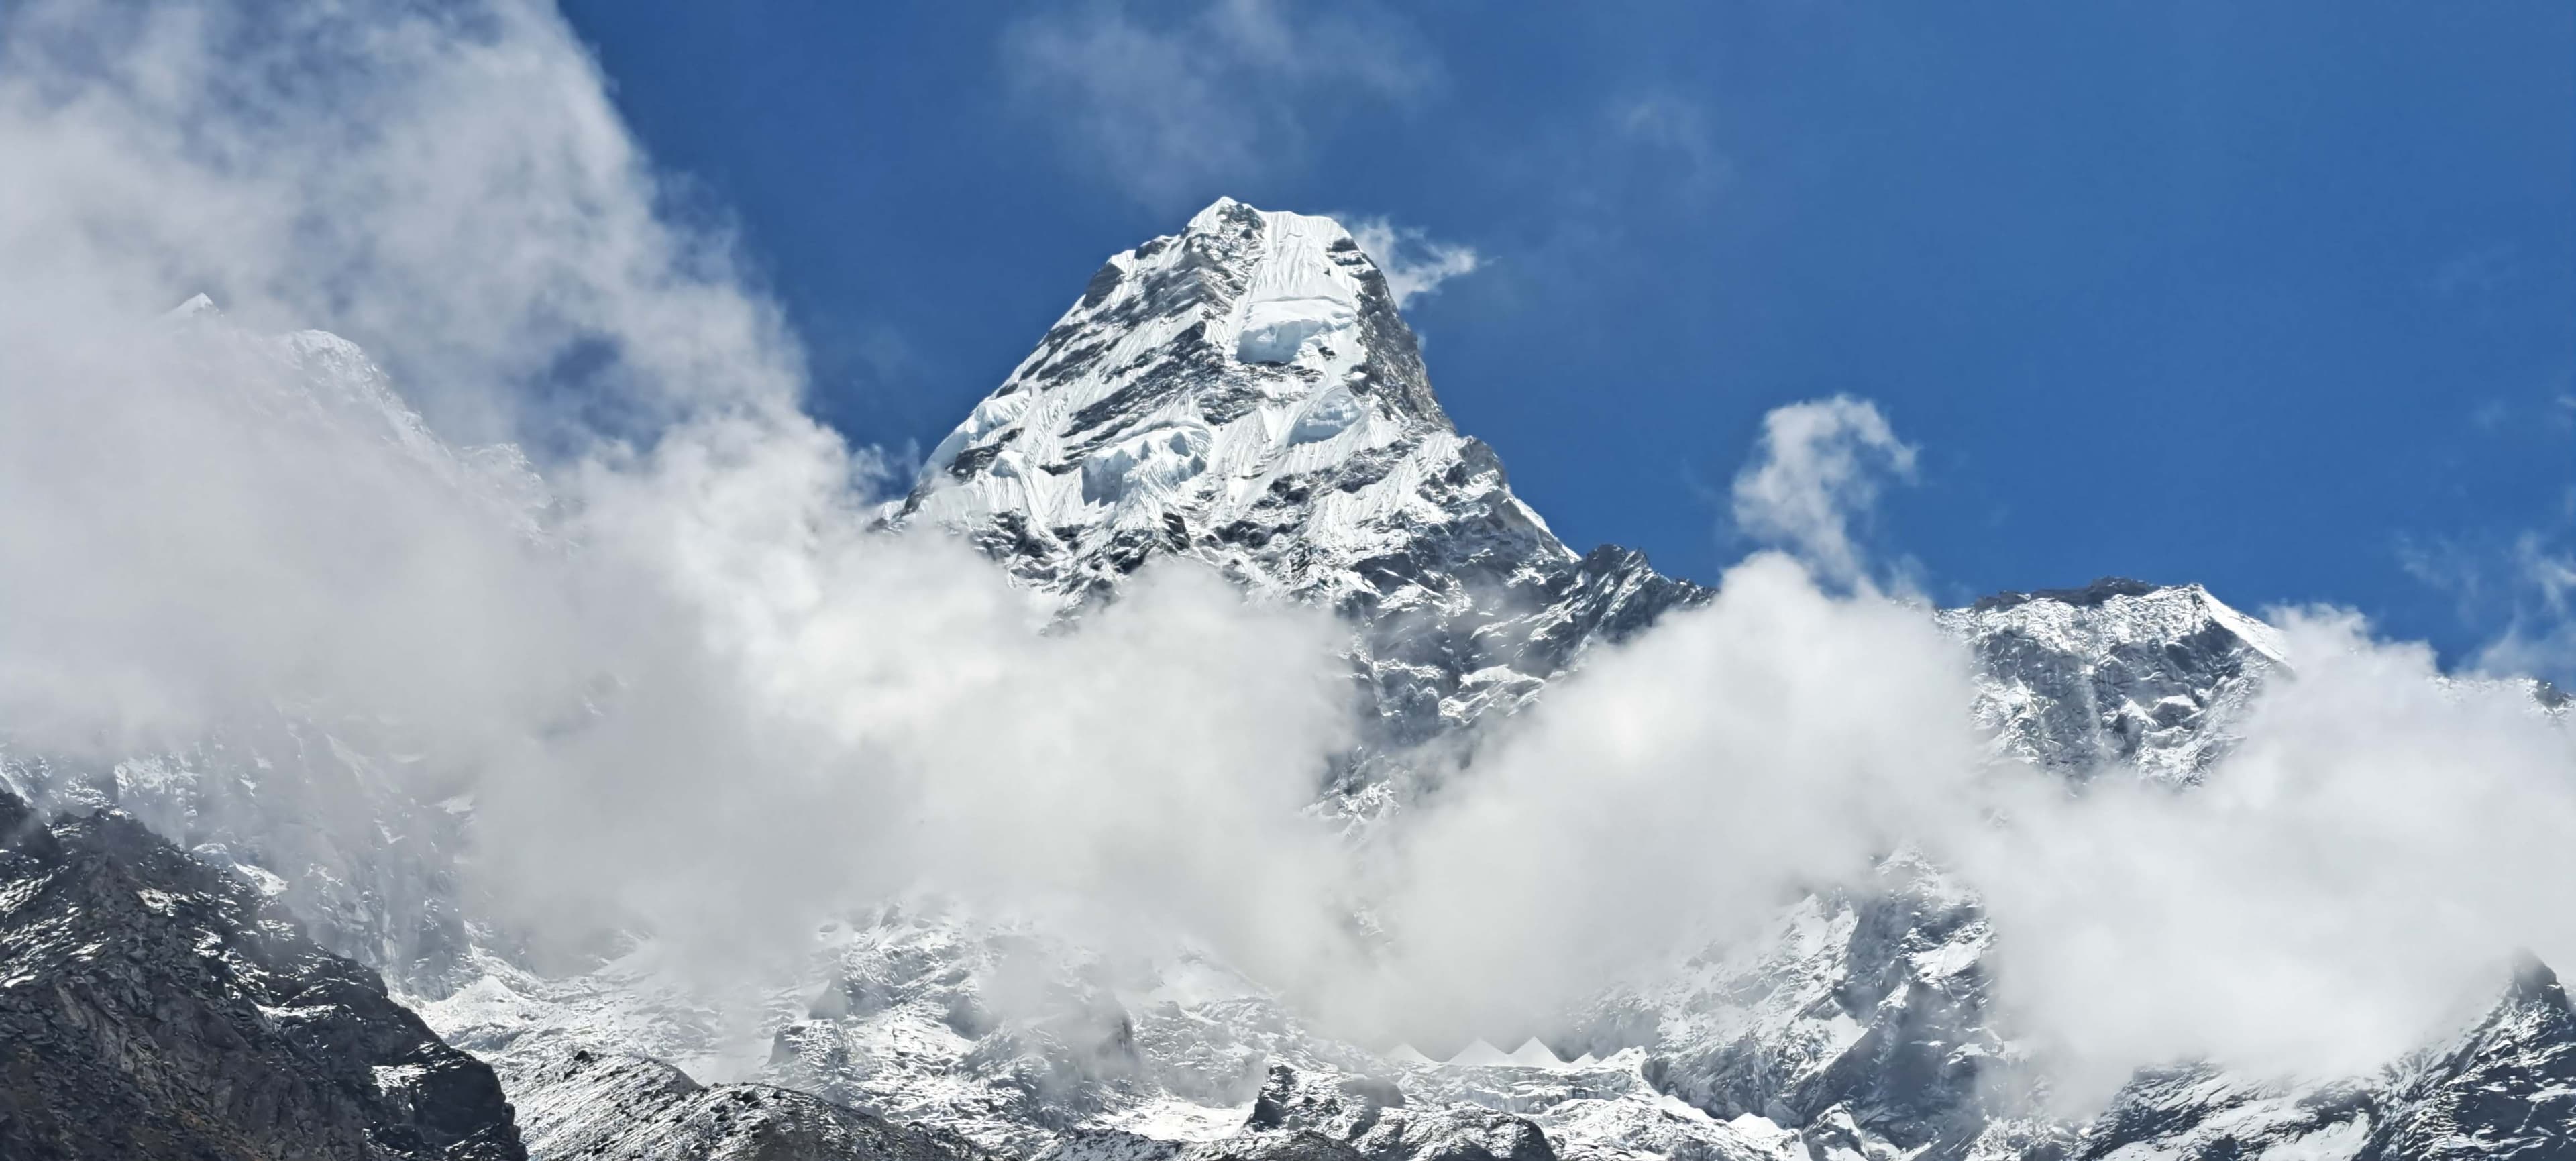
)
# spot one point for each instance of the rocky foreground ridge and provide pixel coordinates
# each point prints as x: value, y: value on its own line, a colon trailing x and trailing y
x: 154, y: 1006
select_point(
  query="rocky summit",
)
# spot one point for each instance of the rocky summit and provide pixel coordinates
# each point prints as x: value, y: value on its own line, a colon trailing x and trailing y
x: 1243, y: 394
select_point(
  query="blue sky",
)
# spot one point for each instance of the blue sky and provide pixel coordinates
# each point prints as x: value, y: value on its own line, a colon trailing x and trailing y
x: 2280, y: 298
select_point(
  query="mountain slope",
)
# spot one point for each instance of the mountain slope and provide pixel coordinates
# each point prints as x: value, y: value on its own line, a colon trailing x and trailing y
x: 578, y: 1103
x: 2504, y: 1088
x: 2117, y: 673
x: 324, y: 803
x: 153, y: 1006
x: 1245, y: 394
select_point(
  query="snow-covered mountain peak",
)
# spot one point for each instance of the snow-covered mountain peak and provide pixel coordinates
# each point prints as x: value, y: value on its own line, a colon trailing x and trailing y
x: 197, y: 304
x: 2116, y: 672
x: 1249, y: 372
x: 1246, y: 394
x: 1301, y: 305
x: 326, y: 382
x: 2119, y: 608
x: 1300, y: 296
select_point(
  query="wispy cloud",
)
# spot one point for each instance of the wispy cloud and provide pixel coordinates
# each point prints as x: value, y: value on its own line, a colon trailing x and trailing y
x: 1170, y: 106
x: 2521, y: 596
x: 1414, y: 264
x: 2475, y: 273
x: 1819, y: 468
x: 1676, y: 129
x: 2540, y: 640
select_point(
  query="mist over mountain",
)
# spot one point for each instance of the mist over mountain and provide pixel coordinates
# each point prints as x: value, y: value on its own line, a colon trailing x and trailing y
x: 464, y: 703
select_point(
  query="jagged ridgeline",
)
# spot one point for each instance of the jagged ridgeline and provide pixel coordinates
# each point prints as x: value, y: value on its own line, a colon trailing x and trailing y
x: 1244, y: 394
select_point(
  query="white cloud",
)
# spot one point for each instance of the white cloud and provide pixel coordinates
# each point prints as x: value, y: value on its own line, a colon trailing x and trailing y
x: 2550, y: 573
x: 758, y: 711
x: 1817, y: 470
x: 1679, y: 790
x: 1176, y: 106
x: 2520, y: 594
x: 2539, y: 639
x: 2348, y: 883
x: 1414, y: 264
x: 731, y: 709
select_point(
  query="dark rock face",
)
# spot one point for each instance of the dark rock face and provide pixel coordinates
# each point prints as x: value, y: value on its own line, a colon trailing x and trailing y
x: 153, y: 1006
x: 363, y: 861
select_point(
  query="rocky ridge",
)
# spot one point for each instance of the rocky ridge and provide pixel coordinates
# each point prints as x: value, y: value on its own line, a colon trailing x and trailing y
x: 2117, y: 675
x: 154, y: 1006
x: 575, y: 1102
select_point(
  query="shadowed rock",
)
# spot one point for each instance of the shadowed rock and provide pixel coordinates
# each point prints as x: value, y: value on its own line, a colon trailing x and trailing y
x: 153, y: 1006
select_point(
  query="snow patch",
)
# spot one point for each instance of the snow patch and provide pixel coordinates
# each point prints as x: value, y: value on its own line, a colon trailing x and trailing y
x: 196, y: 305
x: 2333, y: 1143
x: 2265, y: 639
x: 993, y: 414
x: 396, y: 1079
x: 1331, y: 414
x: 1155, y: 461
x: 1275, y: 331
x: 1180, y: 1120
x: 1297, y: 297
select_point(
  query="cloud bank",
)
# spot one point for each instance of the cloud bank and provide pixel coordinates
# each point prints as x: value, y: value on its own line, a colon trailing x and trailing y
x: 2348, y: 884
x: 693, y: 693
